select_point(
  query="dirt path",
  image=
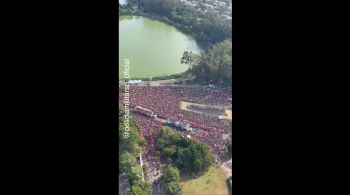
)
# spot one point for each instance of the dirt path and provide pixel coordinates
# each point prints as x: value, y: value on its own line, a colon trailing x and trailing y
x: 227, y: 166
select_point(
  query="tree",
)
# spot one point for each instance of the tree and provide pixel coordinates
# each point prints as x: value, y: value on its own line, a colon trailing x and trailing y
x: 183, y: 142
x: 184, y: 158
x: 137, y: 190
x: 147, y: 186
x: 144, y: 188
x: 188, y: 58
x: 208, y: 28
x: 186, y: 154
x: 132, y: 144
x: 126, y: 162
x: 173, y: 188
x: 136, y: 174
x: 215, y: 65
x: 169, y: 152
x: 171, y: 174
x: 171, y: 178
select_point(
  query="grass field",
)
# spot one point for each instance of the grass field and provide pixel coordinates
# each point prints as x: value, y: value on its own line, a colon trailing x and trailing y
x: 212, y: 182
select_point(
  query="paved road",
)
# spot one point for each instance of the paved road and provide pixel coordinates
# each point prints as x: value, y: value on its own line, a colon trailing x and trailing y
x: 158, y: 189
x: 124, y: 186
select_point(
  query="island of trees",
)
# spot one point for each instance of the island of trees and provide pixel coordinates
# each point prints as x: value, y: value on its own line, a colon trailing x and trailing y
x: 181, y: 154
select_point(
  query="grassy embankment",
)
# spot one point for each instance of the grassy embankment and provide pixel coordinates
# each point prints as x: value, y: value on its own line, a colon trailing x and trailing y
x: 212, y: 182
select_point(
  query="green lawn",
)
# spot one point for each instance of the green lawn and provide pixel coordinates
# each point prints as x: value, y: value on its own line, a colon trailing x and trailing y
x: 212, y: 182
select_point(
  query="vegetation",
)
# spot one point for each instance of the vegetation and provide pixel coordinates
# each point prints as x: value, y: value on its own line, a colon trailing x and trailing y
x: 171, y: 174
x: 181, y: 153
x: 184, y: 153
x: 127, y: 10
x: 171, y: 178
x: 213, y: 66
x: 212, y: 182
x: 188, y: 58
x: 126, y: 162
x: 207, y: 28
x: 137, y: 190
x: 173, y: 188
x: 134, y: 143
x: 144, y: 188
x: 129, y: 150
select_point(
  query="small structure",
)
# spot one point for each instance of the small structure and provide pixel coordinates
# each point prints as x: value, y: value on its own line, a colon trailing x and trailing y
x: 135, y: 82
x: 143, y: 111
x: 177, y: 124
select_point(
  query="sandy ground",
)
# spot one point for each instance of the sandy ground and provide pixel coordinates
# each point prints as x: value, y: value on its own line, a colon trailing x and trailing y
x: 183, y: 106
x: 229, y: 114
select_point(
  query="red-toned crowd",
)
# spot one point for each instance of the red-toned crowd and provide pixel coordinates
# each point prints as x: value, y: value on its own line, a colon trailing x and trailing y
x: 165, y: 102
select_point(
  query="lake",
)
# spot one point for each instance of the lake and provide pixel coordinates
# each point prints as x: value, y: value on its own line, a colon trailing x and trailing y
x: 153, y: 48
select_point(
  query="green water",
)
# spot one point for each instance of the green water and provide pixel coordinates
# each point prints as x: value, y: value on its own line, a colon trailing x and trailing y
x: 152, y: 47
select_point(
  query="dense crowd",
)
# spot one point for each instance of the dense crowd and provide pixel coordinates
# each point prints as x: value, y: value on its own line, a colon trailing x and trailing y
x: 165, y: 103
x: 149, y: 130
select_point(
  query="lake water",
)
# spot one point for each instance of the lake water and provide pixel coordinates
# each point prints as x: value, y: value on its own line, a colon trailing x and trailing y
x: 153, y: 48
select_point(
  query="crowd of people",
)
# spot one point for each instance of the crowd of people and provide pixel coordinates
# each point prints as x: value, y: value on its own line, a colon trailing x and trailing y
x: 165, y: 103
x: 149, y: 130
